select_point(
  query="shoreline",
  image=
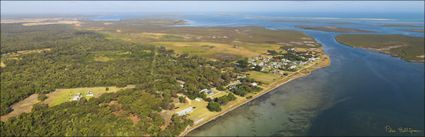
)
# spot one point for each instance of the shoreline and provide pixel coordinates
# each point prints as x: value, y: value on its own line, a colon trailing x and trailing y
x: 299, y: 74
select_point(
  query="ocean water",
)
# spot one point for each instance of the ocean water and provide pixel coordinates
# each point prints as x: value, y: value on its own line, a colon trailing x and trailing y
x: 360, y: 93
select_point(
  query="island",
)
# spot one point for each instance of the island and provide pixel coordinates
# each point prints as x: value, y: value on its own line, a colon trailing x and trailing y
x: 334, y: 29
x: 417, y: 30
x: 403, y: 25
x: 139, y: 77
x: 406, y: 47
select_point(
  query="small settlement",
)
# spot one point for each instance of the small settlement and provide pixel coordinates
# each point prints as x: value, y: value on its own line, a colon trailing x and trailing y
x: 278, y: 62
x: 288, y: 59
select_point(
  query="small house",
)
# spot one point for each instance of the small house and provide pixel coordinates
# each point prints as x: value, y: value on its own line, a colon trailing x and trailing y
x: 76, y: 97
x: 181, y: 83
x: 185, y: 111
x: 198, y: 99
x: 90, y: 94
x: 207, y: 91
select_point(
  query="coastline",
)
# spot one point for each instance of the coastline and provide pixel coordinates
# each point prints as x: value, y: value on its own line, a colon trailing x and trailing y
x: 324, y: 62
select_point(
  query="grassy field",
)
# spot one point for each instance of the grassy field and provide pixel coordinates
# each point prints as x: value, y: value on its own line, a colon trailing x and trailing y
x: 57, y: 97
x: 63, y: 95
x: 106, y: 56
x: 152, y: 29
x: 214, y: 50
x: 405, y: 47
x: 187, y: 44
x: 144, y: 36
x: 209, y: 49
x: 222, y: 43
x: 265, y: 78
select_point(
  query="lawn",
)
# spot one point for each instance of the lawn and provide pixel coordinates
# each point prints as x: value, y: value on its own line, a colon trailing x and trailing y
x: 265, y: 78
x: 217, y: 93
x: 63, y: 95
x: 198, y: 113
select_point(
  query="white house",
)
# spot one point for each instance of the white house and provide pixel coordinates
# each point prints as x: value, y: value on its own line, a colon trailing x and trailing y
x: 198, y: 99
x: 185, y: 111
x: 90, y: 94
x: 254, y: 84
x: 181, y: 83
x: 76, y: 97
x: 207, y: 91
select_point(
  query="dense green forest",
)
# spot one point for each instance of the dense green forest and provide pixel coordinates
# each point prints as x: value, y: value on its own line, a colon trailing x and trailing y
x: 86, y: 59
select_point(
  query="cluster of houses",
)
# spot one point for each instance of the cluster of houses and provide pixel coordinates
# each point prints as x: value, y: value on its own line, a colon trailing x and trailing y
x: 190, y: 109
x: 78, y: 96
x: 290, y: 60
x: 212, y: 37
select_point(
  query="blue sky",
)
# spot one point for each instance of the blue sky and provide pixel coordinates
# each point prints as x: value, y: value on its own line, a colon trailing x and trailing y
x: 94, y: 7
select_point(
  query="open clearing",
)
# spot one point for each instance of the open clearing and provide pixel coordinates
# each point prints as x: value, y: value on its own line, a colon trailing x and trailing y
x: 24, y: 52
x: 265, y: 78
x: 23, y: 106
x: 222, y: 43
x: 184, y: 44
x: 63, y: 95
x: 106, y: 56
x: 57, y: 97
x: 207, y: 49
